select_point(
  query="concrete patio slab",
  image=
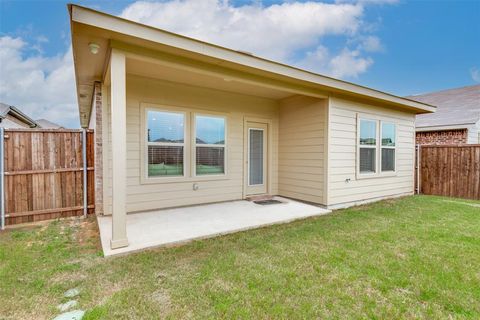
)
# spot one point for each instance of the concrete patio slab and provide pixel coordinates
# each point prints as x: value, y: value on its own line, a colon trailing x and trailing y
x: 179, y: 225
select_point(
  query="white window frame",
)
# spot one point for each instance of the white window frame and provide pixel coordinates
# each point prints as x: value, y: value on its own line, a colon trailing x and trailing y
x: 195, y: 145
x: 166, y: 144
x: 189, y: 160
x: 388, y: 147
x: 378, y: 146
x: 360, y: 146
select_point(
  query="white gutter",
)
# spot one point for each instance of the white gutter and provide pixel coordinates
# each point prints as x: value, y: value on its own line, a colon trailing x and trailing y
x: 444, y: 128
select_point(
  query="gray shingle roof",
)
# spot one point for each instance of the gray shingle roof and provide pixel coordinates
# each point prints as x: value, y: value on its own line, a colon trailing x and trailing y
x: 457, y: 106
x: 46, y: 124
x: 5, y: 109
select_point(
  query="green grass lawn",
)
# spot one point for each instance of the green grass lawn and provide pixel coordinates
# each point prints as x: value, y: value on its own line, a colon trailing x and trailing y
x: 416, y: 257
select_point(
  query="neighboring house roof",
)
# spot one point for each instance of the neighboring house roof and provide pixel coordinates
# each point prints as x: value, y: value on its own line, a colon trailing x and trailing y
x: 107, y: 31
x: 456, y: 108
x: 46, y: 124
x: 6, y: 109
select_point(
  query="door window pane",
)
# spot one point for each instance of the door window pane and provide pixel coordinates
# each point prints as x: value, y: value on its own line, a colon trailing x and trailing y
x: 388, y: 134
x: 165, y: 161
x: 255, y: 157
x: 367, y: 160
x: 368, y: 132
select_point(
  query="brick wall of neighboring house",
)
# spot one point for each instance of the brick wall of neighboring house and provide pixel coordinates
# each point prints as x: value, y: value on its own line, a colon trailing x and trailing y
x: 442, y: 137
x: 98, y: 148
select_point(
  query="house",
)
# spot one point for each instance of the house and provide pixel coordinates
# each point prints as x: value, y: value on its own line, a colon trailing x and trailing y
x: 182, y: 122
x: 12, y: 118
x: 457, y: 119
x: 47, y: 124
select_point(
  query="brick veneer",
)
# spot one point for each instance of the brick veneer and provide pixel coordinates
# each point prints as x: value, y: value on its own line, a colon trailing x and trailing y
x: 98, y: 149
x: 442, y: 137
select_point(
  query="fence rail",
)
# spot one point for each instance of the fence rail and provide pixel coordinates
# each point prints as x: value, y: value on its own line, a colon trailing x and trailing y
x: 44, y: 174
x: 450, y: 170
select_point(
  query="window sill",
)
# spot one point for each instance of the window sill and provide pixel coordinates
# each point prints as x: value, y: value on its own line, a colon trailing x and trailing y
x: 362, y: 176
x: 165, y: 180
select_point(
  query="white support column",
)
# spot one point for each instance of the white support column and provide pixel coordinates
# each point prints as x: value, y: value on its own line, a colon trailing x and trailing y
x: 119, y: 149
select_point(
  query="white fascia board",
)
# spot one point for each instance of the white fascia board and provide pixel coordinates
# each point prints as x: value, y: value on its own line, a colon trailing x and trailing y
x: 443, y: 128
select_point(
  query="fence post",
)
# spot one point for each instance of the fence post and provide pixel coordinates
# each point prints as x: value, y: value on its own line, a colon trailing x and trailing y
x: 2, y: 178
x: 418, y: 169
x: 84, y: 157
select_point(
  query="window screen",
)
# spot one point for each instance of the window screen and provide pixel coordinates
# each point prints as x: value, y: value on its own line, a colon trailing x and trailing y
x: 388, y: 159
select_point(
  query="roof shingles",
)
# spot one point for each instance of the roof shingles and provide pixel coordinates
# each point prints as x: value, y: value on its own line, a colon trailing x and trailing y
x: 457, y: 106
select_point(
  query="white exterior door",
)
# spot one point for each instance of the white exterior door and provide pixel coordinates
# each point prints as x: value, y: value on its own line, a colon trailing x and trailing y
x: 257, y: 137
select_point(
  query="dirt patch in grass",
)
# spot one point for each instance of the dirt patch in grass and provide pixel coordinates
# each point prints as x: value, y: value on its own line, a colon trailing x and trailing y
x: 86, y: 234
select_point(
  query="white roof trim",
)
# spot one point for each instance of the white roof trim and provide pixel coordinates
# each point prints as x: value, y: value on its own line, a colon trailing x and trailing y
x: 444, y: 128
x: 119, y: 25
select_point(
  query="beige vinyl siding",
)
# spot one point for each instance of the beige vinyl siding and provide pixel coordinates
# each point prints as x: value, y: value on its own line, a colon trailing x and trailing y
x: 474, y: 133
x: 342, y: 161
x: 301, y: 148
x: 163, y: 195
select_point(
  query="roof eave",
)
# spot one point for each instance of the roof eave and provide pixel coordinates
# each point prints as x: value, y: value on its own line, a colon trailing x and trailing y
x: 115, y: 24
x: 23, y: 117
x: 444, y: 127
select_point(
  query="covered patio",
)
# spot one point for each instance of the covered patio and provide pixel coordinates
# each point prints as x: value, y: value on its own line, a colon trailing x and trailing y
x: 263, y: 135
x: 180, y: 225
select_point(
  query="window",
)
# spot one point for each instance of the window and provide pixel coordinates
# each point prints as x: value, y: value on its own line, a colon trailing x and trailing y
x: 388, y: 146
x: 181, y: 145
x: 209, y: 145
x: 368, y: 146
x: 165, y: 143
x: 376, y: 147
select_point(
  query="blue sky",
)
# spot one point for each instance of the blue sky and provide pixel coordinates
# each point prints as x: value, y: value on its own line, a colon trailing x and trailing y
x: 401, y: 47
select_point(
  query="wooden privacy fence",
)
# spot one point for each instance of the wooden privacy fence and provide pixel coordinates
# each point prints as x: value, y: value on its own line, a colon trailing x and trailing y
x: 44, y: 173
x: 450, y: 170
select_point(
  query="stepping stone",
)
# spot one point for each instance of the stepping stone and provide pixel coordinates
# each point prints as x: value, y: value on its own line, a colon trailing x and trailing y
x: 67, y: 305
x: 72, y: 293
x: 72, y: 315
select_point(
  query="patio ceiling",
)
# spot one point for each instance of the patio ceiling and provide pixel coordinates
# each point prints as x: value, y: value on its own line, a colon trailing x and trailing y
x: 172, y: 74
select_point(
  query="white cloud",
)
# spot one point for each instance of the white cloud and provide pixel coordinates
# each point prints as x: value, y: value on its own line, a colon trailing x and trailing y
x: 368, y: 1
x: 475, y: 74
x: 371, y: 44
x: 290, y: 32
x: 347, y: 64
x: 42, y: 87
